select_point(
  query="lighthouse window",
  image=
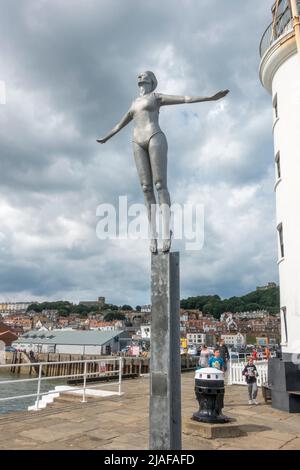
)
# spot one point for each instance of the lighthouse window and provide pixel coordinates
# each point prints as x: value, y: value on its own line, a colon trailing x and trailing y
x: 275, y: 106
x: 280, y: 233
x: 284, y: 325
x: 278, y: 168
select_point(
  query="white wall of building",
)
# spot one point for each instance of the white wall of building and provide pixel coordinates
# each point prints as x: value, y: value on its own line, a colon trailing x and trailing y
x: 286, y: 84
x: 104, y: 328
x: 145, y: 331
x: 14, y: 306
x: 196, y: 338
x: 36, y: 348
x: 68, y: 348
x: 77, y: 349
x: 146, y: 308
x: 234, y: 340
x: 280, y: 73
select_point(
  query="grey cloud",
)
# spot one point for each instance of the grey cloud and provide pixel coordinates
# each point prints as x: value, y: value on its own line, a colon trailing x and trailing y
x: 71, y: 70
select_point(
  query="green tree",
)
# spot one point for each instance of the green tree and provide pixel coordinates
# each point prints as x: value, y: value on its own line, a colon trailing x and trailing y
x: 110, y: 316
x: 126, y: 307
x: 267, y: 299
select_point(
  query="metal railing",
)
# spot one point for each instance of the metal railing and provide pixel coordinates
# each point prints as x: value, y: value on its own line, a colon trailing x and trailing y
x: 282, y: 25
x: 243, y: 357
x: 240, y: 357
x: 85, y: 376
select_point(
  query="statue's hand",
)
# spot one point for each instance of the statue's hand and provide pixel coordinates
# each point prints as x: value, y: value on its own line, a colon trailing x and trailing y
x: 219, y: 95
x: 102, y: 141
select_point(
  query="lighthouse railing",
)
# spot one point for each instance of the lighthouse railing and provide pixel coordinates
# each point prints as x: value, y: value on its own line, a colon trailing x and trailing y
x: 282, y: 25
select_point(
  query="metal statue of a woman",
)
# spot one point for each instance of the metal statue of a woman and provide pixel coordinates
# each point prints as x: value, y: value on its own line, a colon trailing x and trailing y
x: 150, y: 149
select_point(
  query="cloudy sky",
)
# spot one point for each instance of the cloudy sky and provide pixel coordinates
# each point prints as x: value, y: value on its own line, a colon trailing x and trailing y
x: 70, y: 69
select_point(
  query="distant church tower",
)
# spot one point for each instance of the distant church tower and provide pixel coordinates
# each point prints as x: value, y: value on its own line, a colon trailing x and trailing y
x: 280, y: 75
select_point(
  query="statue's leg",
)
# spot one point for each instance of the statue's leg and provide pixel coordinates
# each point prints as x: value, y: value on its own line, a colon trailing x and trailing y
x: 158, y: 151
x: 143, y: 167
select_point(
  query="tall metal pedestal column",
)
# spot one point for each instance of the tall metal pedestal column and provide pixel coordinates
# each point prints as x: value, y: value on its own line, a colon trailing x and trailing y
x: 165, y: 364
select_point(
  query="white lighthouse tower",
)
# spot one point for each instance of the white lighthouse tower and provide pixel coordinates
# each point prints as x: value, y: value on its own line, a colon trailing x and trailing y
x: 280, y: 75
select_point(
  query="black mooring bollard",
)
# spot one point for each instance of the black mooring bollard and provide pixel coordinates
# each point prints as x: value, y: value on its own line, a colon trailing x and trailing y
x: 209, y: 390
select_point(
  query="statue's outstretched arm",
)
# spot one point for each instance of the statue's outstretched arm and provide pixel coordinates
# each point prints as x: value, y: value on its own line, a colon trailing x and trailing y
x: 166, y: 100
x: 124, y: 121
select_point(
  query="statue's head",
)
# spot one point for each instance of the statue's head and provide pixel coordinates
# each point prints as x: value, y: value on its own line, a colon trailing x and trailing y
x: 148, y: 77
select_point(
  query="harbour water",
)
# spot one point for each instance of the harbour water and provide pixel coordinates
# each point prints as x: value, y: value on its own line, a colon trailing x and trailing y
x: 21, y: 388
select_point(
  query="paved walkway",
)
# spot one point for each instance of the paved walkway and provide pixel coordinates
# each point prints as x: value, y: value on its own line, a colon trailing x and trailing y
x: 122, y: 423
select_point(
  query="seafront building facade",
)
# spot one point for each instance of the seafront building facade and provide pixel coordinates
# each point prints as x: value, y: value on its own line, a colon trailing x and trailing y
x: 7, y: 308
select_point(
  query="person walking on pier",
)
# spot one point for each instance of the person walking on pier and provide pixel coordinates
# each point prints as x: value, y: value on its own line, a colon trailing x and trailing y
x: 251, y: 374
x: 216, y: 361
x: 204, y: 356
x: 224, y: 353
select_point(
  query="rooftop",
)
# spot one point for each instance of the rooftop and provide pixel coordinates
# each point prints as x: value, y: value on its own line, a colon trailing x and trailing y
x: 120, y: 423
x: 68, y: 337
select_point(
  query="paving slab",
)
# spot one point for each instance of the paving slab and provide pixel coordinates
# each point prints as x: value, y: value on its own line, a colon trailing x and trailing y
x: 19, y: 443
x: 87, y: 442
x: 255, y: 442
x: 58, y: 445
x: 103, y: 434
x: 279, y: 436
x: 43, y: 435
x: 294, y: 444
x: 192, y: 443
